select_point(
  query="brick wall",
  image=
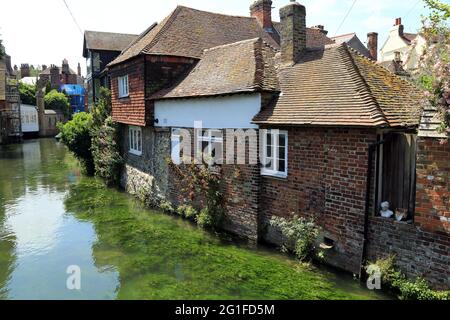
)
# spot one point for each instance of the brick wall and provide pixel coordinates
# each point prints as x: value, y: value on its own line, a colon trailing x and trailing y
x: 129, y: 110
x: 422, y: 248
x: 327, y: 171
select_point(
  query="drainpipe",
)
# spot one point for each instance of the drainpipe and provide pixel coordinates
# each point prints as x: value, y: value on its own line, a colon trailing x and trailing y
x: 372, y: 149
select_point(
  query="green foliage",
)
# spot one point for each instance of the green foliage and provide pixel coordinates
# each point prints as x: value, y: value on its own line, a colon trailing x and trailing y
x: 103, y: 109
x: 187, y: 211
x: 434, y: 70
x: 406, y: 289
x: 2, y: 49
x: 57, y: 101
x: 27, y: 93
x: 299, y: 235
x: 76, y: 135
x: 106, y: 152
x: 105, y: 141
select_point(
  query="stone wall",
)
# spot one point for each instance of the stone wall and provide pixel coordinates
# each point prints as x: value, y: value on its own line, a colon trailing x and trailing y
x: 146, y: 176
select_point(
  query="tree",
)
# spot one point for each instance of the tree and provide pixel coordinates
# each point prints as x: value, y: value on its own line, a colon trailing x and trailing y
x: 57, y: 101
x: 76, y: 135
x: 434, y: 70
x: 2, y: 49
x: 27, y: 93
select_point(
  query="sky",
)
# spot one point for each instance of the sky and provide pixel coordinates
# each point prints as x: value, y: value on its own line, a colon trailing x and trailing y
x: 44, y: 32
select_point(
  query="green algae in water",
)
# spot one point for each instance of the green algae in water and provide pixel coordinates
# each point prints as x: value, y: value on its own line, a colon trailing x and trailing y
x: 126, y: 251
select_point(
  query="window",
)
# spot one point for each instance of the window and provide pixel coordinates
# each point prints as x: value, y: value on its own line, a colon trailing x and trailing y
x: 135, y: 140
x: 123, y: 86
x: 275, y: 153
x: 211, y: 144
x: 396, y: 178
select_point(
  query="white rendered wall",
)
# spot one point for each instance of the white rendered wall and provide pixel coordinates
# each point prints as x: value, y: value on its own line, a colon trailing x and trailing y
x: 29, y: 118
x: 234, y: 112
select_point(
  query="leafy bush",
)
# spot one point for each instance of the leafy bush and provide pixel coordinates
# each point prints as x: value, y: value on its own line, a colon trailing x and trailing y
x: 406, y: 289
x: 76, y: 135
x: 299, y: 235
x: 27, y: 93
x: 105, y: 141
x: 106, y: 152
x: 57, y: 101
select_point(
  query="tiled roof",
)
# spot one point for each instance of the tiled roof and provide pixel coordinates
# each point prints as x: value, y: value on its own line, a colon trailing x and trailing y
x: 410, y: 36
x: 337, y: 86
x: 245, y: 66
x: 343, y: 37
x: 187, y: 32
x: 96, y: 40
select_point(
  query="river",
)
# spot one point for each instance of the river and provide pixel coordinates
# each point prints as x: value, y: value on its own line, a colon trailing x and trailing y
x: 54, y: 220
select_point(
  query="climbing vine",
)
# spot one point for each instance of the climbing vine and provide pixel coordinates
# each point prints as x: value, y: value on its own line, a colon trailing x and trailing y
x: 201, y: 187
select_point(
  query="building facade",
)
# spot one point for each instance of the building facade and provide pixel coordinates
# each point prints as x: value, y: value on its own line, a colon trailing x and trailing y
x: 337, y: 134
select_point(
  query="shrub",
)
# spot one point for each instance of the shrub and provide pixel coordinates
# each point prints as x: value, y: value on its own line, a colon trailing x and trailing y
x: 106, y: 152
x: 57, y: 101
x: 406, y: 289
x: 299, y: 235
x: 76, y: 135
x: 27, y: 93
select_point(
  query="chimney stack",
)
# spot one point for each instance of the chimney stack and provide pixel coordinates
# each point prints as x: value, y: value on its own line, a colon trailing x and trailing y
x: 79, y: 70
x: 262, y: 11
x: 65, y: 67
x: 24, y: 70
x: 372, y: 45
x: 293, y: 32
x: 399, y: 25
x: 320, y: 28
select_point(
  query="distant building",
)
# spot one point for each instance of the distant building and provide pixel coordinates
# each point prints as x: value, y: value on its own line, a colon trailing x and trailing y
x: 353, y: 41
x: 403, y: 47
x: 29, y: 119
x: 99, y: 49
x: 76, y: 95
x: 58, y: 76
x: 10, y: 130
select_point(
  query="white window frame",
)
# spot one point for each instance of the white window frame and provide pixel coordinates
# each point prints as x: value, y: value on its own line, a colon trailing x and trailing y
x: 123, y: 85
x: 176, y: 146
x: 135, y: 140
x: 212, y: 140
x: 274, y: 171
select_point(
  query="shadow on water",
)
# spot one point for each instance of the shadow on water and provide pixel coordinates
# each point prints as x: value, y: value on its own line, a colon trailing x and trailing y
x: 51, y: 217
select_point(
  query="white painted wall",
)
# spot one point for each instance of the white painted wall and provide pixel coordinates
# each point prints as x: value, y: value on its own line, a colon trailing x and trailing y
x: 29, y: 118
x: 410, y: 54
x: 229, y: 112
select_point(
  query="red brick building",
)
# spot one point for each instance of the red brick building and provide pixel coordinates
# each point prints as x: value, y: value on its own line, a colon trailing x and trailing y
x: 341, y: 133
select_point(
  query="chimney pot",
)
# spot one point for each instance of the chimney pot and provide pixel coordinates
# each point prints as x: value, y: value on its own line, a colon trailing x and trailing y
x: 262, y: 11
x: 293, y: 32
x: 372, y: 45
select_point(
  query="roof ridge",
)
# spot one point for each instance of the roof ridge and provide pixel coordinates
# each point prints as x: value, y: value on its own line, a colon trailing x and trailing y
x: 164, y: 26
x: 140, y: 36
x: 217, y: 13
x: 108, y: 32
x: 363, y: 84
x: 258, y: 77
x: 378, y: 65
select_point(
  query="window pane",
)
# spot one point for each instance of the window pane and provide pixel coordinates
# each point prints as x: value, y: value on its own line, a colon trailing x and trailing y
x: 282, y: 140
x: 139, y: 141
x: 282, y: 153
x: 282, y: 165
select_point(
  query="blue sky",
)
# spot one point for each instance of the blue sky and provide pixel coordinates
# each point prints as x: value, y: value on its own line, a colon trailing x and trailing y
x: 43, y: 32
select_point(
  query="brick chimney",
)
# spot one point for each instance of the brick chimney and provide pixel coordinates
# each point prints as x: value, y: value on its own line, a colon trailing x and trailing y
x: 293, y: 32
x: 262, y: 11
x: 65, y: 67
x: 372, y: 45
x: 55, y: 78
x: 320, y: 28
x: 25, y: 70
x: 398, y: 27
